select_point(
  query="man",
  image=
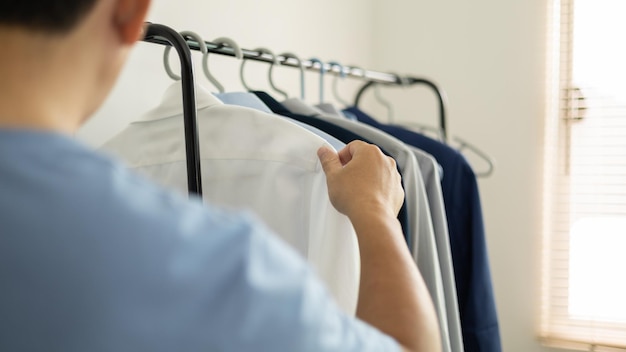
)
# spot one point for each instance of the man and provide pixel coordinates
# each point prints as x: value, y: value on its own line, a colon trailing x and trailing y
x: 94, y: 258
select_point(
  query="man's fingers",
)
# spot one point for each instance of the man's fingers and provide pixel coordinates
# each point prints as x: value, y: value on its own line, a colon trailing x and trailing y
x: 346, y: 154
x: 329, y: 159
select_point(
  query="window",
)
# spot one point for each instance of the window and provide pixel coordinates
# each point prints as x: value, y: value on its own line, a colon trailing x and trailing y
x: 584, y: 242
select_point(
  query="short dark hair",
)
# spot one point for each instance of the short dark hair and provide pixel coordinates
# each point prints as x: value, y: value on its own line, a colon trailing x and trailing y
x: 56, y: 16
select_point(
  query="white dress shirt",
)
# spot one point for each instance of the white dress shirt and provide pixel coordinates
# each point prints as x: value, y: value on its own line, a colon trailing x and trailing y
x: 256, y: 161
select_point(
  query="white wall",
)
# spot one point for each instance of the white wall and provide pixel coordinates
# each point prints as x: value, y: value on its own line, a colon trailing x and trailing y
x: 330, y: 30
x: 489, y: 56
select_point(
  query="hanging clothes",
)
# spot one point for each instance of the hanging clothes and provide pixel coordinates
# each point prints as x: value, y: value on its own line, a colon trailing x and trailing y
x: 340, y: 133
x: 330, y: 110
x: 250, y: 100
x: 250, y: 159
x: 479, y: 320
x: 433, y: 229
x: 430, y: 249
x: 418, y: 217
x: 243, y: 99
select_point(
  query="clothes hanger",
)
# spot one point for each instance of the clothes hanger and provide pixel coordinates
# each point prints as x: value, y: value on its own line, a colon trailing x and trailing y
x: 462, y: 144
x: 377, y: 95
x: 322, y: 73
x: 274, y: 61
x: 221, y: 41
x: 412, y: 81
x: 382, y: 101
x: 293, y: 56
x: 437, y: 131
x: 461, y: 147
x: 166, y: 52
x: 491, y: 164
x: 342, y: 75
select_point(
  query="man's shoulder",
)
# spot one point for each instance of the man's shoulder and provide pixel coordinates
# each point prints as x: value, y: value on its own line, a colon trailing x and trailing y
x: 73, y: 186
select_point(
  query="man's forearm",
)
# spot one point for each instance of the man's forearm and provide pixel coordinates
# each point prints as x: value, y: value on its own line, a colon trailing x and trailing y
x: 393, y: 296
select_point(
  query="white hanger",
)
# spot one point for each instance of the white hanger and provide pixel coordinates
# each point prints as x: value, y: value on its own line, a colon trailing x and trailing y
x: 166, y: 53
x: 222, y: 41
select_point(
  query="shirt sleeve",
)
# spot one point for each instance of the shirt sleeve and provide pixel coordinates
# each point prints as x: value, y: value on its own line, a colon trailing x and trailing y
x: 94, y: 258
x: 248, y: 291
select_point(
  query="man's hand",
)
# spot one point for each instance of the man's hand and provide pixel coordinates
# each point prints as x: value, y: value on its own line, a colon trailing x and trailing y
x: 364, y: 185
x: 362, y: 179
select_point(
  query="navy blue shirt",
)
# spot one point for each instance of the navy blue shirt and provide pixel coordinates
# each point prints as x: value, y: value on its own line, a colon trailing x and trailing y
x: 342, y: 134
x: 479, y: 320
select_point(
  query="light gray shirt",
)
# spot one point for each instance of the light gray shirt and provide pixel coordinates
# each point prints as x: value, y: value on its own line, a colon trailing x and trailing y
x: 431, y: 174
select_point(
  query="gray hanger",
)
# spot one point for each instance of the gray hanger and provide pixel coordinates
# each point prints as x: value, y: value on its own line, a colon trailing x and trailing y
x: 275, y: 60
x: 166, y: 53
x: 322, y: 73
x: 222, y: 41
x: 289, y: 55
x: 491, y: 164
x: 463, y: 145
x: 342, y: 75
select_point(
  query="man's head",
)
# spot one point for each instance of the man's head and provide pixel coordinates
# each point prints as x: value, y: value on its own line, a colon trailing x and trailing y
x: 51, y: 16
x: 67, y: 54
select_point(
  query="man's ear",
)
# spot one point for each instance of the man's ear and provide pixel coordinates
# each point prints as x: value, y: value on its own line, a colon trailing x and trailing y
x: 129, y: 17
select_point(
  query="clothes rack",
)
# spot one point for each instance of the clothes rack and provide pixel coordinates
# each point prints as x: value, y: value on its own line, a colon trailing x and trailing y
x: 374, y: 76
x: 163, y: 35
x: 157, y: 33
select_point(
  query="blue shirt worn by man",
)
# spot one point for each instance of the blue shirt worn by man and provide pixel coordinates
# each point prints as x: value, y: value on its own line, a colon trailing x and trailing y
x: 94, y: 258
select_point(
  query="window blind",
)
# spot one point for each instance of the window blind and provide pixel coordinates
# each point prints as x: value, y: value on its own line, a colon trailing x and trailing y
x: 584, y: 195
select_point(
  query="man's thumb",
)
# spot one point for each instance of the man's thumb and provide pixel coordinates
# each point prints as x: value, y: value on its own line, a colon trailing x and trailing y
x: 329, y: 159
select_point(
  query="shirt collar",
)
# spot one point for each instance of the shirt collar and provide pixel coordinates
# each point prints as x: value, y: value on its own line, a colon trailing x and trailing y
x: 272, y: 103
x: 299, y: 107
x: 172, y: 102
x: 362, y: 116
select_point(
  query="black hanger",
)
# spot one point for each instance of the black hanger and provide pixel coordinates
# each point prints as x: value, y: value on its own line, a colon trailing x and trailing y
x: 442, y: 129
